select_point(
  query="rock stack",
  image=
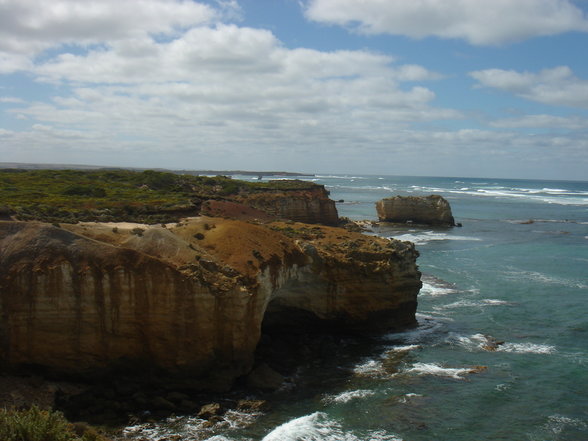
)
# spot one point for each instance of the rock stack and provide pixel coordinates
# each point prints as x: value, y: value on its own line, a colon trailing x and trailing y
x: 425, y: 210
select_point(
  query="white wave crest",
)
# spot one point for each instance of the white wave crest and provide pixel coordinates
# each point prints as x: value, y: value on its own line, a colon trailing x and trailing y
x: 473, y: 304
x: 319, y: 427
x: 429, y: 289
x: 370, y: 368
x: 526, y: 348
x: 425, y: 237
x: 405, y: 348
x: 557, y: 423
x: 190, y: 428
x: 340, y: 177
x: 316, y: 426
x: 488, y: 343
x: 345, y: 397
x: 545, y: 279
x: 409, y: 397
x: 216, y: 438
x: 551, y: 197
x: 440, y: 371
x: 472, y: 342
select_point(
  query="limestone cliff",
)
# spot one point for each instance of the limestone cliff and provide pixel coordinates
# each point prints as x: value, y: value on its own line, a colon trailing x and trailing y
x: 311, y: 205
x: 426, y: 210
x: 190, y: 298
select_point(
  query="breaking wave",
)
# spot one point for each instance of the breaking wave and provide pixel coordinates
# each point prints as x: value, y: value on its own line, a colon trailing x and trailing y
x: 319, y: 427
x: 440, y: 371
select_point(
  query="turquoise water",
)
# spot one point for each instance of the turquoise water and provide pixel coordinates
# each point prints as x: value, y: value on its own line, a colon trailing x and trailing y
x: 500, y: 282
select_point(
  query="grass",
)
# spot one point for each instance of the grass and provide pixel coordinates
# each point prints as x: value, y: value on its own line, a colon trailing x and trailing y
x: 117, y: 195
x: 35, y: 424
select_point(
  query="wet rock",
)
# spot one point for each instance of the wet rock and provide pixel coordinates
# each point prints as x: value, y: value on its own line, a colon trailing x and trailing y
x: 491, y: 344
x: 265, y: 378
x: 478, y: 369
x: 253, y: 405
x: 209, y: 411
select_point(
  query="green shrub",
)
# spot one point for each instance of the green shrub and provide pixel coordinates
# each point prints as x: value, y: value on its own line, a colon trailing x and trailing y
x: 84, y: 190
x: 138, y: 231
x: 118, y: 195
x: 35, y: 424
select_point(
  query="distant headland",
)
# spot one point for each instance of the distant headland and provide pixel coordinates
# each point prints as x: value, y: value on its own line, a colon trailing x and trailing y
x: 34, y: 166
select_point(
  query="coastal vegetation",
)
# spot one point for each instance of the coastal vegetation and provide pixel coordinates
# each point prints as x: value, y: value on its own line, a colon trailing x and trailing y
x: 108, y: 195
x: 35, y: 424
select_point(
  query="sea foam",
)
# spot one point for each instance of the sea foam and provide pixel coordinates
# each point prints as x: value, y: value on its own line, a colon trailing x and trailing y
x: 440, y: 371
x: 473, y: 304
x: 429, y: 289
x: 422, y: 238
x: 526, y: 348
x: 484, y: 342
x: 319, y: 427
x: 345, y: 397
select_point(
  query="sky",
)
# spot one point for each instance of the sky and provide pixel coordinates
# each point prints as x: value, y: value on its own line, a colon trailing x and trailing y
x: 467, y: 88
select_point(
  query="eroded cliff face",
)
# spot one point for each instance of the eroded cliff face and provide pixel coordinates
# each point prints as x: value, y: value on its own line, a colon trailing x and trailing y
x: 189, y: 298
x: 311, y: 206
x: 426, y: 210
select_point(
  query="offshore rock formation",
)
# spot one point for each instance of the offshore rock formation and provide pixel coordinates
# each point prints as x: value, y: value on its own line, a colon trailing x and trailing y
x: 426, y: 210
x: 189, y: 298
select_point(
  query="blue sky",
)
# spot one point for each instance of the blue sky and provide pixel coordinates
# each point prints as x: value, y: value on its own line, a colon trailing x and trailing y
x: 404, y: 87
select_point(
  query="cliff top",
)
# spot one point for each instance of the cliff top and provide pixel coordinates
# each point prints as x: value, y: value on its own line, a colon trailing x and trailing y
x: 241, y: 245
x: 119, y: 195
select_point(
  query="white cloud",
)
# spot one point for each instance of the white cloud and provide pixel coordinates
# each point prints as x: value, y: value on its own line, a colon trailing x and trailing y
x: 11, y: 99
x: 10, y: 63
x: 212, y: 95
x: 480, y: 22
x: 543, y: 122
x: 235, y: 76
x: 216, y: 92
x: 29, y: 27
x: 558, y: 86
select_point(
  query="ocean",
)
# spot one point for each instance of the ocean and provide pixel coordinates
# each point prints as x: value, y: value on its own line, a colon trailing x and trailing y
x: 501, y: 347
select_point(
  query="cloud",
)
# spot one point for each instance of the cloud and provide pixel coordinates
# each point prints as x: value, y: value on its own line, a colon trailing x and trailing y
x: 480, y: 22
x: 557, y: 86
x: 543, y: 122
x: 234, y: 76
x: 27, y: 28
x: 218, y: 91
x: 10, y: 63
x: 213, y: 95
x: 11, y: 99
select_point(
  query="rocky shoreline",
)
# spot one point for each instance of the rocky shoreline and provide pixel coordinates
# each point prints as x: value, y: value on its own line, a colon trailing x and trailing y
x: 118, y: 322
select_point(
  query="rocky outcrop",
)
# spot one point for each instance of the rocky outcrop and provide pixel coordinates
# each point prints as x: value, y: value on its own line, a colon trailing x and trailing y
x: 311, y: 206
x: 426, y: 210
x: 189, y: 298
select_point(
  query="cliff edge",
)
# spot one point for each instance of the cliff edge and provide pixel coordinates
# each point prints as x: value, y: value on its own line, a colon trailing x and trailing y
x: 191, y: 297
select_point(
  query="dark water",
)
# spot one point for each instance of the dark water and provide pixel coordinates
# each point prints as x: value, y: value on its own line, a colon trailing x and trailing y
x: 501, y: 351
